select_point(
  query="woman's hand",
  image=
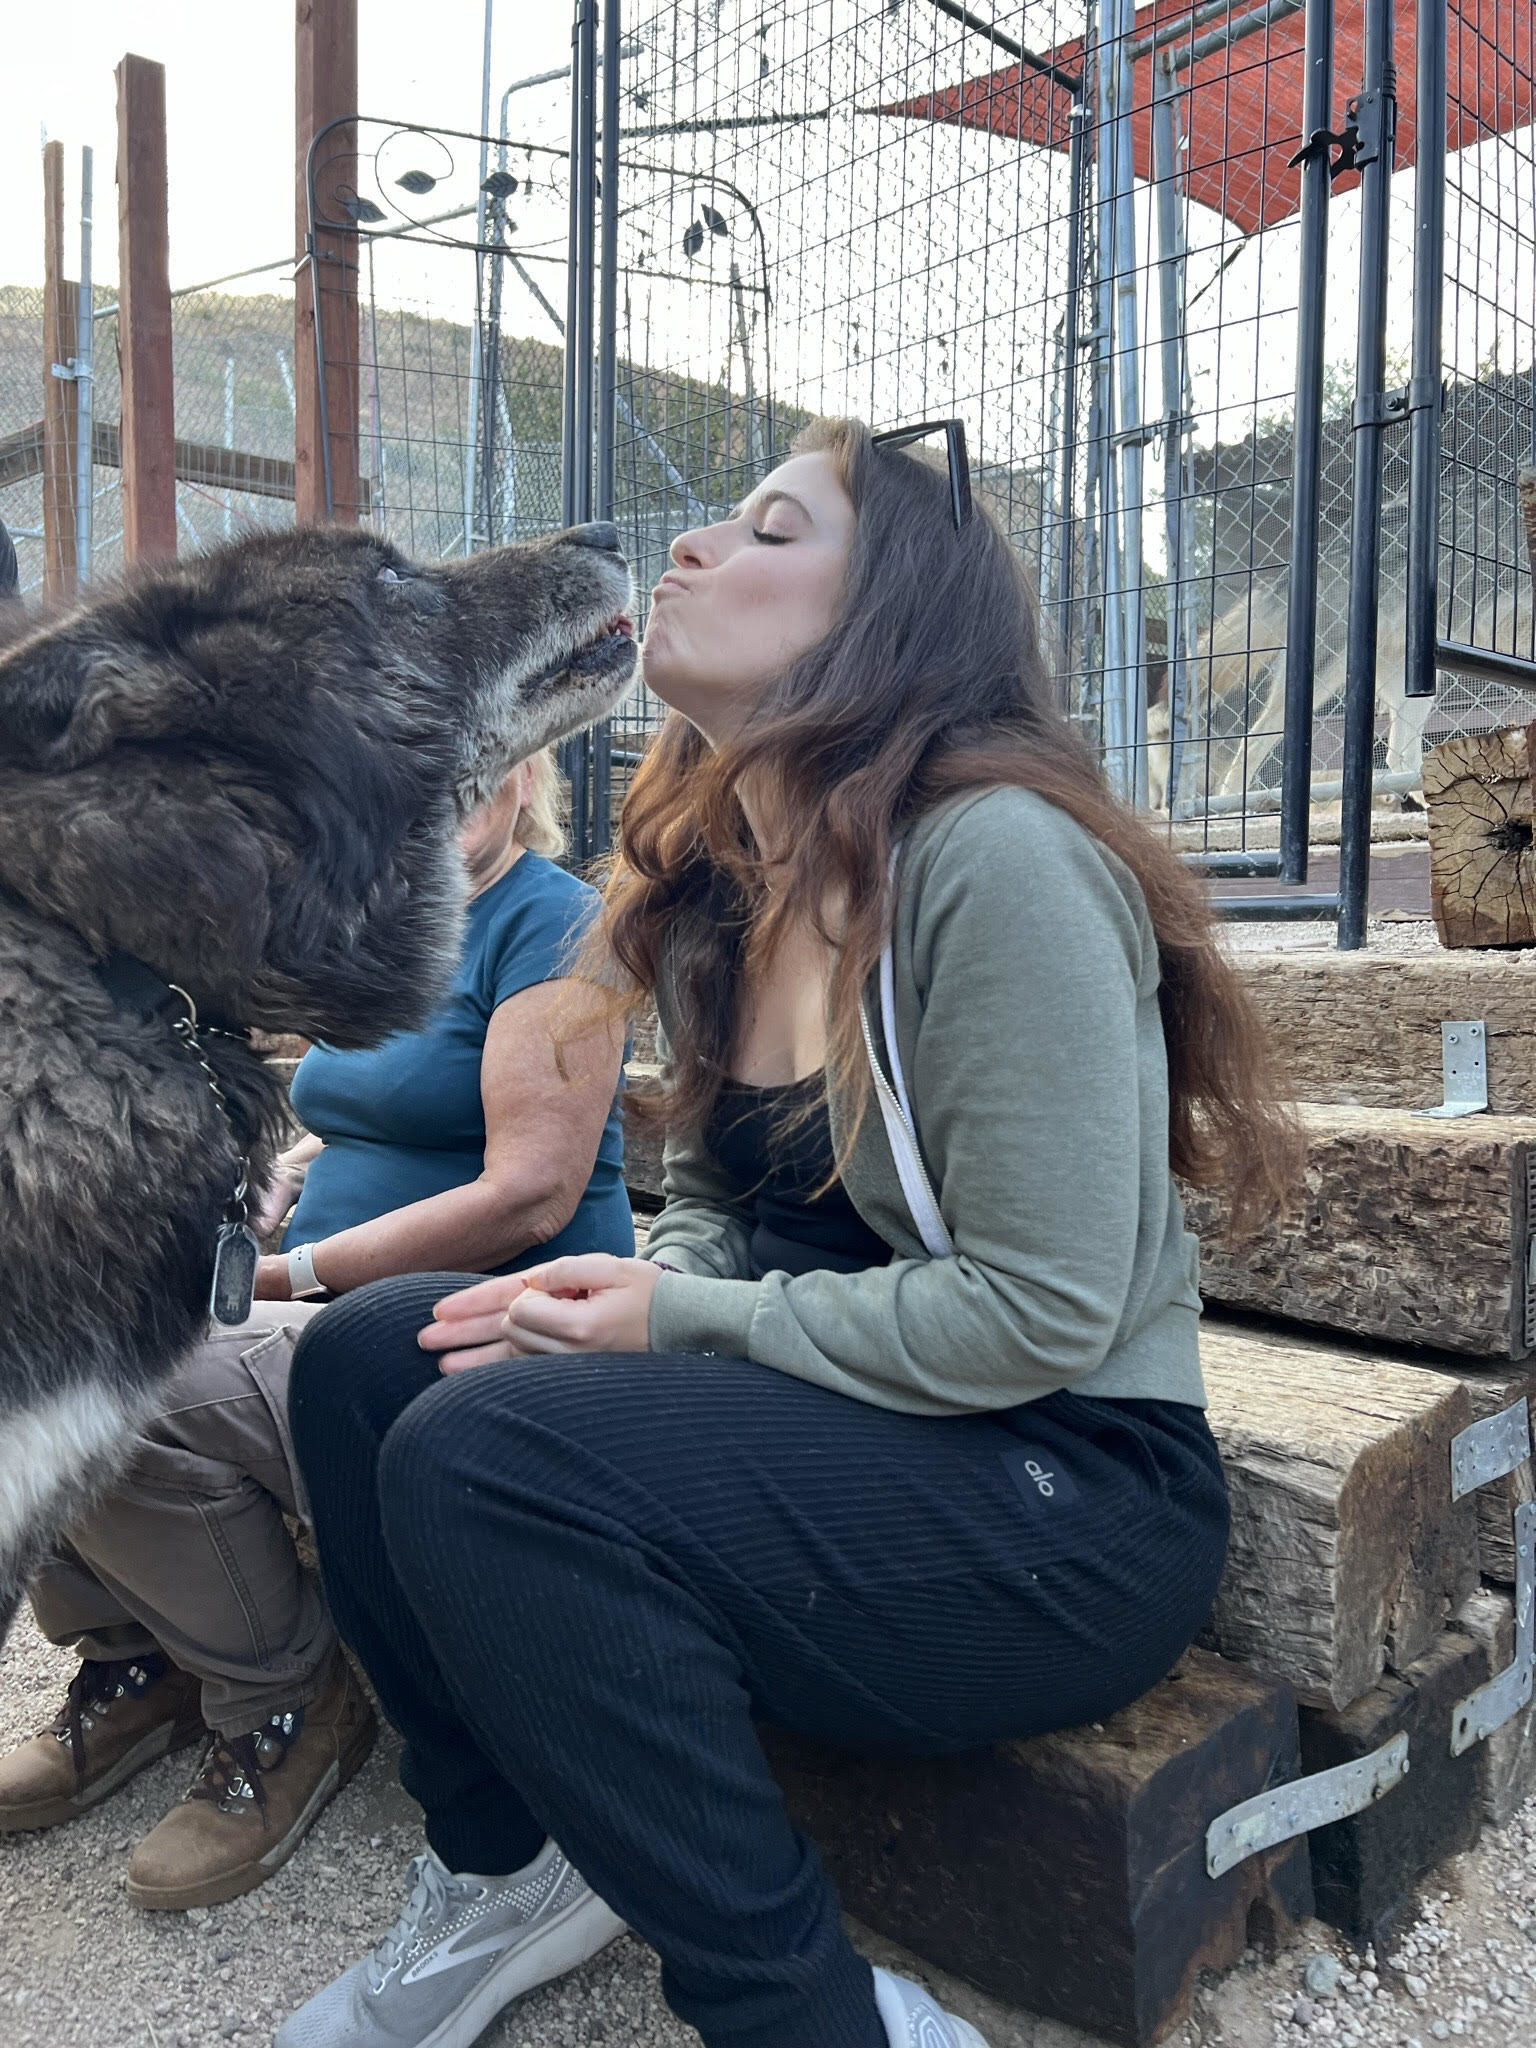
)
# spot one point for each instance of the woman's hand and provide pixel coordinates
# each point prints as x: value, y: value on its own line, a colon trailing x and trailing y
x: 590, y: 1303
x: 279, y: 1195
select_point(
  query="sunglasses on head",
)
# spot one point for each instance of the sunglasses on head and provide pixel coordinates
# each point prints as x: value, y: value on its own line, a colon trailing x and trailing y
x: 959, y: 462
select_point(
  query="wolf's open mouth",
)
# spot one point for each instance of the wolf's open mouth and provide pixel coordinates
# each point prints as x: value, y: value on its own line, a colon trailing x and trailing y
x: 612, y: 648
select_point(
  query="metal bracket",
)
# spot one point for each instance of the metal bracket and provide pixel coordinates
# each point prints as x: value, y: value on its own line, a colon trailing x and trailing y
x: 1464, y: 1061
x: 1305, y: 1803
x: 1490, y: 1449
x: 67, y: 373
x: 1382, y: 408
x: 1481, y: 1712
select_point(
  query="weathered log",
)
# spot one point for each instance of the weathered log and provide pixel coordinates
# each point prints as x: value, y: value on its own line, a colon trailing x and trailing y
x: 1067, y: 1873
x: 1410, y: 1229
x: 1364, y: 1028
x: 1480, y: 794
x: 1365, y: 1868
x: 1508, y: 1755
x: 1347, y: 1552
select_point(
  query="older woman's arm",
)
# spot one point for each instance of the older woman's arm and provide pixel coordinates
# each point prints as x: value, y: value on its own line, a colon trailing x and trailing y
x: 542, y: 1128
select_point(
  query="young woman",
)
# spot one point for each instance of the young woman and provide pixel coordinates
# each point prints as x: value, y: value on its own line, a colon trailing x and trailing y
x: 475, y: 1142
x: 895, y: 1435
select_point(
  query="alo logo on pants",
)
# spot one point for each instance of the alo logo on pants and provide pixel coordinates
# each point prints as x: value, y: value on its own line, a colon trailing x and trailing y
x: 1039, y: 1477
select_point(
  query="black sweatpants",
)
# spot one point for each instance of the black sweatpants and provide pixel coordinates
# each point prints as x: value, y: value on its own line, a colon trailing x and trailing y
x: 575, y: 1583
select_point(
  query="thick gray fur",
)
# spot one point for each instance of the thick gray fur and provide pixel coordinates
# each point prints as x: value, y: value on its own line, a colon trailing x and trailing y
x: 246, y: 770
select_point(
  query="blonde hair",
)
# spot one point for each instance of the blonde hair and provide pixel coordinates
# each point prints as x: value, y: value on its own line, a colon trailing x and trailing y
x: 541, y: 823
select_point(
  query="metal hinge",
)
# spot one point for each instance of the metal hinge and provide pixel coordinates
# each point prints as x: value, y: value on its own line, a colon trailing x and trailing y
x: 1490, y: 1449
x: 1464, y: 1064
x: 1305, y: 1803
x: 1530, y: 1249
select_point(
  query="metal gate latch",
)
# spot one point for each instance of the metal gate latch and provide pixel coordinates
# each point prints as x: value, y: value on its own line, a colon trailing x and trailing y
x: 1464, y: 1063
x: 1303, y: 1804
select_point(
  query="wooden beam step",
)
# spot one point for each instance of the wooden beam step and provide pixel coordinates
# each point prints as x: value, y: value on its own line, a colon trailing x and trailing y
x: 1067, y: 1873
x: 1366, y: 1868
x: 1347, y: 1552
x: 1364, y: 1027
x: 1409, y: 1229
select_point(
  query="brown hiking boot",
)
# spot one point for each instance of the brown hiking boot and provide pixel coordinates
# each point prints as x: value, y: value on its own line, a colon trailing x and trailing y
x: 253, y: 1801
x: 116, y: 1719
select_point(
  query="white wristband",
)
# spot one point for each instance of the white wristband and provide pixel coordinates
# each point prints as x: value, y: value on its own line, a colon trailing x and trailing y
x: 303, y: 1281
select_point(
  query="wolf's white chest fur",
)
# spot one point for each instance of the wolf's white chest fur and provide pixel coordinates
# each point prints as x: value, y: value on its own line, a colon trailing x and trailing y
x: 46, y: 1451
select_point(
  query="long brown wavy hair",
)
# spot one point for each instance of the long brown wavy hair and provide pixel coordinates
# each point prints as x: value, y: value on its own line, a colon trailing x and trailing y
x: 931, y: 683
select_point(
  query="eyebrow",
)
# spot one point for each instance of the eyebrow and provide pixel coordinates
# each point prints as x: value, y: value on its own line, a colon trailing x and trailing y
x: 771, y: 498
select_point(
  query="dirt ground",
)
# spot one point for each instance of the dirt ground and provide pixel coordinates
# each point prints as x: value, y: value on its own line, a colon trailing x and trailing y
x: 78, y: 1966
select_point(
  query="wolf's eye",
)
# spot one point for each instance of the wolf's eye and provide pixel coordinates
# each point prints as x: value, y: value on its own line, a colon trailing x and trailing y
x: 388, y: 576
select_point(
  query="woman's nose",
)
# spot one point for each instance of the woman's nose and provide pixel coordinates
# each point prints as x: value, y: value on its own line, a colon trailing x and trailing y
x: 688, y: 550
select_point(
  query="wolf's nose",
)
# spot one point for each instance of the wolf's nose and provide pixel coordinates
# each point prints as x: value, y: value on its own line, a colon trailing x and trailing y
x: 597, y: 533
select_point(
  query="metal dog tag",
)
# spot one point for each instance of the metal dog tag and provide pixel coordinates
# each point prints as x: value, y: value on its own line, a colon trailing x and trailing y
x: 234, y: 1274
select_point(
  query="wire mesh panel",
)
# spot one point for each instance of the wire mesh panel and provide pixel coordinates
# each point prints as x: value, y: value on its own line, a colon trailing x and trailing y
x: 1075, y: 226
x: 1488, y: 433
x: 460, y: 247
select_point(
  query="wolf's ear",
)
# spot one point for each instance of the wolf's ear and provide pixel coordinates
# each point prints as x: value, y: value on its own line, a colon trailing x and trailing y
x: 65, y: 696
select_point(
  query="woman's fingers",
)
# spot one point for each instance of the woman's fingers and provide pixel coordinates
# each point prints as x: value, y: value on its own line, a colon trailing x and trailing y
x: 487, y: 1297
x: 545, y: 1319
x: 480, y: 1354
x: 582, y: 1273
x: 462, y: 1330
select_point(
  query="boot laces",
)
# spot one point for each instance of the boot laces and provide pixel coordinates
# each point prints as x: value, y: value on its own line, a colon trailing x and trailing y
x: 233, y: 1766
x: 93, y: 1691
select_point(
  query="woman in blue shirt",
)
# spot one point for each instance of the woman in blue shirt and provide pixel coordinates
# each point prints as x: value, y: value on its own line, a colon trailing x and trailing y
x: 470, y: 1145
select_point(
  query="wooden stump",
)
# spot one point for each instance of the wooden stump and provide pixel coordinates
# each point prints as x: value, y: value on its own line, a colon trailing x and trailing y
x: 1067, y: 1873
x: 1347, y: 1551
x: 1364, y: 1028
x: 1365, y: 1868
x: 1508, y: 1755
x: 1479, y: 793
x: 1408, y: 1228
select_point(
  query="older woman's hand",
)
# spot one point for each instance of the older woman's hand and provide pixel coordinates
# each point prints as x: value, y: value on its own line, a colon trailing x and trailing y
x: 593, y: 1302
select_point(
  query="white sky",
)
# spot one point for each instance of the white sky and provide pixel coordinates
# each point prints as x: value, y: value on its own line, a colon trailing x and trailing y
x: 229, y: 108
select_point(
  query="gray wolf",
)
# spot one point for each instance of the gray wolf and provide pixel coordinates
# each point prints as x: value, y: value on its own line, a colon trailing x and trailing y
x: 242, y: 775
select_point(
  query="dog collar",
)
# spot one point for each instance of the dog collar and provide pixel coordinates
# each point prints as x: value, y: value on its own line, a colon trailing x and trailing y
x: 134, y: 986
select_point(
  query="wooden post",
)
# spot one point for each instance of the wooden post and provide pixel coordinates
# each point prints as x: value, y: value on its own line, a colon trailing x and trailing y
x: 325, y: 293
x: 60, y: 403
x: 144, y: 315
x: 1480, y: 793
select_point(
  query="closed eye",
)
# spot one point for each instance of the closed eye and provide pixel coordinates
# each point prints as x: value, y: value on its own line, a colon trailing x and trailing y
x: 771, y: 540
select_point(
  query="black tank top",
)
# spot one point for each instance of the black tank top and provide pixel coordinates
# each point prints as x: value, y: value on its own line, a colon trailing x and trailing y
x: 796, y: 1230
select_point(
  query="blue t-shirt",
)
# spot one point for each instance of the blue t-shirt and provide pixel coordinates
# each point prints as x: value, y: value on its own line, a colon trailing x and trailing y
x: 405, y: 1121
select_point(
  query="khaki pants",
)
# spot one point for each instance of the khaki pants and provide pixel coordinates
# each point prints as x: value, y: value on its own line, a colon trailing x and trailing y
x: 189, y: 1553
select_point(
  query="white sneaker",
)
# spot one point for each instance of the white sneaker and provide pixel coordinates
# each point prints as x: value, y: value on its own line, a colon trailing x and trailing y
x: 463, y: 1948
x: 912, y: 2020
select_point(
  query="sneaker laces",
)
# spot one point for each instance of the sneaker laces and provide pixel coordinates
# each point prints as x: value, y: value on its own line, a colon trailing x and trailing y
x: 432, y: 1885
x: 232, y: 1766
x: 91, y: 1695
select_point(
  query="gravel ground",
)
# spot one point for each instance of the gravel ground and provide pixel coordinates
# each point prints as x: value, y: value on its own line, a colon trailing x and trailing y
x: 78, y: 1966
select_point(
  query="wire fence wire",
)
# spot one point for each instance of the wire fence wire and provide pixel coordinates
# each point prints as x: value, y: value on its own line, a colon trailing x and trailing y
x: 866, y: 206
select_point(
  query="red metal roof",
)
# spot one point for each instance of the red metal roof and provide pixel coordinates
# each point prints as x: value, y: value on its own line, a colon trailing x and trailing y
x: 1242, y: 111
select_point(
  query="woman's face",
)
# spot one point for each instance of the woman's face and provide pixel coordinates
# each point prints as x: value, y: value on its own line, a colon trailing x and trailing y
x: 488, y: 834
x: 745, y: 599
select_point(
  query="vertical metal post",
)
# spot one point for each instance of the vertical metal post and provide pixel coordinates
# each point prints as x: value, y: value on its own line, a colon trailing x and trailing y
x: 1424, y: 391
x: 1114, y: 737
x: 1171, y: 280
x: 61, y: 328
x: 607, y: 379
x: 1063, y: 551
x: 1376, y: 119
x: 1307, y: 448
x: 476, y: 342
x: 85, y: 387
x: 576, y: 448
x: 1130, y: 437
